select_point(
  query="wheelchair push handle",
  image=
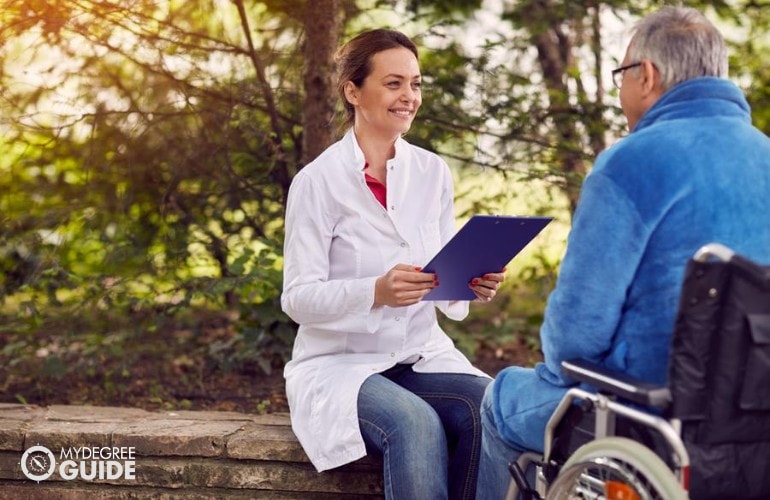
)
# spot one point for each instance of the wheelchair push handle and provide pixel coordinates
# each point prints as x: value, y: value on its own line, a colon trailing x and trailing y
x: 721, y: 252
x: 716, y: 251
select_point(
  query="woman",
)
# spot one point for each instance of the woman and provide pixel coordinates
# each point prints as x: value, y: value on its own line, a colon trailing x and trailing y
x: 371, y: 369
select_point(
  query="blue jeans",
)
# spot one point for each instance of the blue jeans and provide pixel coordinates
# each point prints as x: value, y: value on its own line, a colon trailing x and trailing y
x: 427, y: 428
x: 496, y: 454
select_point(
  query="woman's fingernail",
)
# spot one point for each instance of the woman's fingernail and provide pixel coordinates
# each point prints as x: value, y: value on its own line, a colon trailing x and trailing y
x: 486, y: 276
x: 418, y: 269
x: 474, y: 281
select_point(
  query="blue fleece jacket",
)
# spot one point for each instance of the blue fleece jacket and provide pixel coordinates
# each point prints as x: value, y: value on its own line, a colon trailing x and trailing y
x: 693, y: 171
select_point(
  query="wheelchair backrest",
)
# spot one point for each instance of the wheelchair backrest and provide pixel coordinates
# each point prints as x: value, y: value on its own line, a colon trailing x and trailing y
x: 719, y: 366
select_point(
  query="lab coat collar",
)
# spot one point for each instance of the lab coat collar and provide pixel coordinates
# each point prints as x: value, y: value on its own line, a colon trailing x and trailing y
x: 355, y: 154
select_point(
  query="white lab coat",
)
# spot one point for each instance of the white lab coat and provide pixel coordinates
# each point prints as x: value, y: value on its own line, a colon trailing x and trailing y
x: 339, y: 239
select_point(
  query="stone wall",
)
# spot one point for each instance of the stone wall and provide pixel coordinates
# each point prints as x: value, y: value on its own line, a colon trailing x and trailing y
x: 182, y: 454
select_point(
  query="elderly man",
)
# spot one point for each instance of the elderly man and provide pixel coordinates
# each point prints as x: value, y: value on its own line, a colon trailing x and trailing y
x: 692, y: 171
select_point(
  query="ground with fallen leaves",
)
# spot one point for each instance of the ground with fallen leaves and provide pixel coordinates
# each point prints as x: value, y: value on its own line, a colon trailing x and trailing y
x: 172, y: 367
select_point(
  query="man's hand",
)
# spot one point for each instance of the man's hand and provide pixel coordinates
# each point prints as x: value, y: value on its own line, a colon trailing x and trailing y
x: 403, y: 285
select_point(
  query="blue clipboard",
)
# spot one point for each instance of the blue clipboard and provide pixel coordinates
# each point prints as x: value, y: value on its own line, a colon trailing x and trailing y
x: 485, y: 244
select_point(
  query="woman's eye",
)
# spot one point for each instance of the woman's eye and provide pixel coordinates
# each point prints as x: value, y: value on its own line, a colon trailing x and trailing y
x: 394, y: 84
x: 416, y: 85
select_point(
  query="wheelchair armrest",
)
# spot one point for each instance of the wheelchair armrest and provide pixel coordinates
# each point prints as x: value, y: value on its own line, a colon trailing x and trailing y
x: 618, y: 384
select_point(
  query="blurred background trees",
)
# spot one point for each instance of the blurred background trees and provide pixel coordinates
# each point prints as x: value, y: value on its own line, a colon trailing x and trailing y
x: 148, y: 146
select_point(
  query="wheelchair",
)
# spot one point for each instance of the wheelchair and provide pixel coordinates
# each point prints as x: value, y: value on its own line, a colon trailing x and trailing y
x: 703, y: 435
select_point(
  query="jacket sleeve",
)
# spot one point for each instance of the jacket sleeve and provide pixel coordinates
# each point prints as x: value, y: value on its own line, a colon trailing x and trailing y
x: 309, y: 297
x: 604, y: 248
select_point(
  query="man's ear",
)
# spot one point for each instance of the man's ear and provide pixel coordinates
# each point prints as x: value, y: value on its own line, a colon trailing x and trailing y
x: 650, y: 77
x: 351, y: 92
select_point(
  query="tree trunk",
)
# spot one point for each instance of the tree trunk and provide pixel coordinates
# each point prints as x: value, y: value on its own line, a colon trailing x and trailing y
x: 554, y: 49
x: 323, y: 25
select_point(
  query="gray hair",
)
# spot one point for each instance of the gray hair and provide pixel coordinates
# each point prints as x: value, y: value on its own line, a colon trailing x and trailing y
x: 682, y: 44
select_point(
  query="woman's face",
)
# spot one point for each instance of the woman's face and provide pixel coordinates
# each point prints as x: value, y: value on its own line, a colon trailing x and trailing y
x: 390, y: 96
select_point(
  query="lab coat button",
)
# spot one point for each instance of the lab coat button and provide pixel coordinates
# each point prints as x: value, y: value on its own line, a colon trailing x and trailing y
x: 392, y: 354
x: 392, y: 207
x: 403, y: 244
x: 398, y: 318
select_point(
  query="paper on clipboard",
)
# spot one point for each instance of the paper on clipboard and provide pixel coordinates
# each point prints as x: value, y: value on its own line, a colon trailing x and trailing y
x: 485, y: 244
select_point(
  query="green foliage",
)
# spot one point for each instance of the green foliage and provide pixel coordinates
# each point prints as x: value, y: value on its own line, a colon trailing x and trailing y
x: 149, y: 146
x: 157, y: 191
x: 264, y: 338
x: 442, y: 11
x: 749, y: 63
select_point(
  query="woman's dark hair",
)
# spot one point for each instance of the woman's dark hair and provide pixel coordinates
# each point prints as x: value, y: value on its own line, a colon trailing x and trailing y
x: 354, y: 61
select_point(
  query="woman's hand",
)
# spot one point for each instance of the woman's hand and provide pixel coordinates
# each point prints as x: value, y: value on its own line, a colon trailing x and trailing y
x: 485, y: 287
x: 403, y: 285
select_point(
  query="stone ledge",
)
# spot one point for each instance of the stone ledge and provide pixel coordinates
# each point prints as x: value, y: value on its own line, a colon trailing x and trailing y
x: 56, y: 492
x: 182, y: 454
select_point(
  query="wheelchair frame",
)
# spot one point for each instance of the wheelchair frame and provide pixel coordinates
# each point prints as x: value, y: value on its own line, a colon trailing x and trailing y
x: 606, y: 409
x: 610, y: 386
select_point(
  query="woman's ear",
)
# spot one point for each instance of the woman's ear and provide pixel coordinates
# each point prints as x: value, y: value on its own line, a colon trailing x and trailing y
x: 351, y: 92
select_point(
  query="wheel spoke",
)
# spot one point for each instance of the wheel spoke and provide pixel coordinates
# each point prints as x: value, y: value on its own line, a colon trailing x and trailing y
x: 615, y: 469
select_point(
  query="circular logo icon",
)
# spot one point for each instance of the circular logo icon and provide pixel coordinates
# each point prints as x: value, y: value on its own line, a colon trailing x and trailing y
x: 38, y: 463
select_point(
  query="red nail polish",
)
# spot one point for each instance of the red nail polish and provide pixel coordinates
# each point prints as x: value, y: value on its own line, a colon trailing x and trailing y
x: 474, y: 281
x: 486, y: 276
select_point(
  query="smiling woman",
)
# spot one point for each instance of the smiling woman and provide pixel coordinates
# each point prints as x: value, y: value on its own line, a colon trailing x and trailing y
x: 371, y: 366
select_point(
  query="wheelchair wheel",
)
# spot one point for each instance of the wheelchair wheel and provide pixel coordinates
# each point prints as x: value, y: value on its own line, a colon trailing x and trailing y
x: 615, y: 468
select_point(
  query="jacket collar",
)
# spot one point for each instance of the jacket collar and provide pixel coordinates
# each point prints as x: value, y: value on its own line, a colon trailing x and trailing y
x: 702, y: 97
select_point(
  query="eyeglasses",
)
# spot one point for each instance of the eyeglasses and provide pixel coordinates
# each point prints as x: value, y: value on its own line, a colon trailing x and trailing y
x: 617, y: 74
